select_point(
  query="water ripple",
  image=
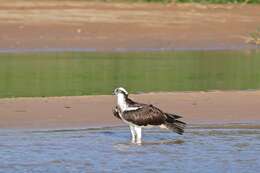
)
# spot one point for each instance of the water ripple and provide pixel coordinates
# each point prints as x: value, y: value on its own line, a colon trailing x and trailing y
x: 109, y: 149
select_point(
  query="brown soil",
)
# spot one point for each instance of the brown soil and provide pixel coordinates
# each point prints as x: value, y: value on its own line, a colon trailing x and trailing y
x: 217, y: 107
x: 115, y: 26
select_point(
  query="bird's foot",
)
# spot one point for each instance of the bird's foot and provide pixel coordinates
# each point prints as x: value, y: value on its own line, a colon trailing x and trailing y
x: 136, y: 142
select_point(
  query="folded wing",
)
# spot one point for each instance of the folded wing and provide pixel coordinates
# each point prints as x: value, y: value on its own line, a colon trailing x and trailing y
x: 146, y: 115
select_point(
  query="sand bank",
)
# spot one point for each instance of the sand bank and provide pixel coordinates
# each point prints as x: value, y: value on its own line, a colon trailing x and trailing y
x: 79, y: 25
x: 85, y: 111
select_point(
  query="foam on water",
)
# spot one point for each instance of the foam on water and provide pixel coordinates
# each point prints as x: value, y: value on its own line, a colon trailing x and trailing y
x: 110, y: 150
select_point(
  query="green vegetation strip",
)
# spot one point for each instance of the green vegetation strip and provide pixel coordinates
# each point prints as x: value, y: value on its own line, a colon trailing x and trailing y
x: 64, y: 74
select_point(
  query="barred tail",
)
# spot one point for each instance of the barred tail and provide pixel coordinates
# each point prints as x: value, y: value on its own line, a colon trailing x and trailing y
x: 173, y: 124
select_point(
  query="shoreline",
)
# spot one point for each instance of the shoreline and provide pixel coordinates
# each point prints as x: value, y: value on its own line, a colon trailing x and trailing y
x: 206, y: 109
x: 126, y: 50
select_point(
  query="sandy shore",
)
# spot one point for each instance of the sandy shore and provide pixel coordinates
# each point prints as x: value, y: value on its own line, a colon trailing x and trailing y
x: 113, y: 26
x: 85, y: 111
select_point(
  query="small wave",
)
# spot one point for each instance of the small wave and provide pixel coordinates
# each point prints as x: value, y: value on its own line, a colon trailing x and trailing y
x: 165, y: 142
x: 210, y: 129
x: 224, y: 132
x: 225, y: 126
x: 90, y: 129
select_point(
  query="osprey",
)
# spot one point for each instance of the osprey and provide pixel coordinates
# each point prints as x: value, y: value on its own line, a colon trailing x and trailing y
x: 138, y: 115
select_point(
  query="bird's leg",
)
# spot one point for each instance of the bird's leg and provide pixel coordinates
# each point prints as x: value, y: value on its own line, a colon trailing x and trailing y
x: 138, y: 132
x: 132, y: 128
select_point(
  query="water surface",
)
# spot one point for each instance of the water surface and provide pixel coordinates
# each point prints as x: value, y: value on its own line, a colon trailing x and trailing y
x: 91, y: 73
x: 109, y: 150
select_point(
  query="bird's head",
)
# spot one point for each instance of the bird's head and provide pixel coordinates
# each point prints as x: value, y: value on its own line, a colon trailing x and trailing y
x: 120, y: 90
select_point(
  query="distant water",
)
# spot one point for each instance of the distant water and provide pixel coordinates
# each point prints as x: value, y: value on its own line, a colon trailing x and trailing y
x: 110, y: 150
x: 92, y: 73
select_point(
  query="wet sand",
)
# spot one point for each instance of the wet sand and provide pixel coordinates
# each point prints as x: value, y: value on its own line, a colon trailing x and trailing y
x: 29, y: 25
x: 218, y: 107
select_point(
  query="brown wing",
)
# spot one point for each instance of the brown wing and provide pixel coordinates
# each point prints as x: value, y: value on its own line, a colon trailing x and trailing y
x: 147, y: 115
x: 116, y: 112
x: 134, y: 104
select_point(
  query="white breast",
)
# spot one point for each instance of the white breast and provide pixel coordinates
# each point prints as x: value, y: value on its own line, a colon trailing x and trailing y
x: 121, y: 102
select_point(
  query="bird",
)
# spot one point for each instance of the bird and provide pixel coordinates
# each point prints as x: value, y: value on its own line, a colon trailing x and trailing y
x: 139, y: 115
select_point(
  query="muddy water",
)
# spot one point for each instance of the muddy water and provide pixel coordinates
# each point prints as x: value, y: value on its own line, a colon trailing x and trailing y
x: 110, y: 150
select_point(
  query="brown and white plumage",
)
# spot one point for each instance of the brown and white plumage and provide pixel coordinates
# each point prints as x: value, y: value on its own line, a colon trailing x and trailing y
x: 138, y: 115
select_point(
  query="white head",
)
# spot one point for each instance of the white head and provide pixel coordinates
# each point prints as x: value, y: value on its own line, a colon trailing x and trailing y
x: 121, y: 90
x: 121, y: 95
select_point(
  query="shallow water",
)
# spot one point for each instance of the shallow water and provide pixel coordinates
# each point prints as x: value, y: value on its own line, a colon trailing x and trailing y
x: 110, y: 150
